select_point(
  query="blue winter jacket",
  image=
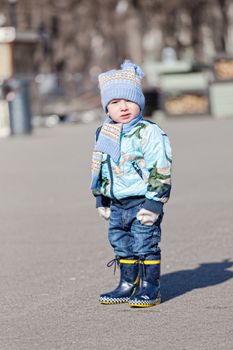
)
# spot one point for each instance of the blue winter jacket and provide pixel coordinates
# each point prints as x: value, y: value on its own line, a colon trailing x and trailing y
x: 143, y: 172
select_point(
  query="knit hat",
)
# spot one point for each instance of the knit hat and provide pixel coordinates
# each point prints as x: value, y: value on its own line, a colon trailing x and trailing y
x: 124, y: 83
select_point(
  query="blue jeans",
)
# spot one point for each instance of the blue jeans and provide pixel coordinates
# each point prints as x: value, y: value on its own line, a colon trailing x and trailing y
x: 130, y: 238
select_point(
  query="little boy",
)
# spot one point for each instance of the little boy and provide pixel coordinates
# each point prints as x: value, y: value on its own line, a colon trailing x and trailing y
x: 131, y: 180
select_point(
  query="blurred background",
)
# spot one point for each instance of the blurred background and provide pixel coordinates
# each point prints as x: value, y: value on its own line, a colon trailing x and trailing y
x: 51, y: 53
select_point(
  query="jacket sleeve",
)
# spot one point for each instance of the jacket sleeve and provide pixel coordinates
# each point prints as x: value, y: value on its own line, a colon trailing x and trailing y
x: 101, y: 200
x: 158, y: 158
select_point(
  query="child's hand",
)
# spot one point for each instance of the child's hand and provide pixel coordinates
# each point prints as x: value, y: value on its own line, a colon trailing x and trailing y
x: 104, y: 212
x: 147, y: 217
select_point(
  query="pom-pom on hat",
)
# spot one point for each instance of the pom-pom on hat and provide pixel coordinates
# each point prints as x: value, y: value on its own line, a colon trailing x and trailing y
x: 124, y: 83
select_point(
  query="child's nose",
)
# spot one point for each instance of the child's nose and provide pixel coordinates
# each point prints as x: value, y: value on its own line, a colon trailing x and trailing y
x: 123, y: 105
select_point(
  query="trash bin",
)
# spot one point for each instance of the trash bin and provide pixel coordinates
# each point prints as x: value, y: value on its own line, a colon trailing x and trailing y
x: 17, y: 95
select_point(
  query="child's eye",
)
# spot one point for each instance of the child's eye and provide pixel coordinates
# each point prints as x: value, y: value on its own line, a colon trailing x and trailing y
x: 114, y: 101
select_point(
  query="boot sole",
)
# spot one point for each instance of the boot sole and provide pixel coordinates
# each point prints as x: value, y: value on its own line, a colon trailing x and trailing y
x: 145, y: 305
x: 112, y: 302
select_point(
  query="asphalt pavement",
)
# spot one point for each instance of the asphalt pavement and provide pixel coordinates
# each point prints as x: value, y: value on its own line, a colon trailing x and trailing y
x: 54, y: 248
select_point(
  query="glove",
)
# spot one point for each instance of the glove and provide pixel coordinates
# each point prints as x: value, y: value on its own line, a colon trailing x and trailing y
x: 147, y: 217
x: 104, y: 212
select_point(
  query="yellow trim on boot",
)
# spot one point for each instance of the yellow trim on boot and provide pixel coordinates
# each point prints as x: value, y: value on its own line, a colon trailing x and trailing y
x: 125, y: 261
x: 146, y: 262
x: 151, y: 262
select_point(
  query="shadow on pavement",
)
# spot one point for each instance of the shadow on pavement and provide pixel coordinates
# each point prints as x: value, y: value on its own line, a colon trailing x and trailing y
x: 177, y: 283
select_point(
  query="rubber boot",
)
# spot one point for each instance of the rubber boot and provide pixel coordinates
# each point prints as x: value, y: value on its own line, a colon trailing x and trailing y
x: 148, y: 292
x: 128, y: 282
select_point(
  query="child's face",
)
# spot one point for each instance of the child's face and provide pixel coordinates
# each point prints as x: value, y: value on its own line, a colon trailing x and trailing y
x: 123, y: 111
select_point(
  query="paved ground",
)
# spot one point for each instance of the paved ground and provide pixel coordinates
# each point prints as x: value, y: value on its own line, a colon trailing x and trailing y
x: 53, y: 246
